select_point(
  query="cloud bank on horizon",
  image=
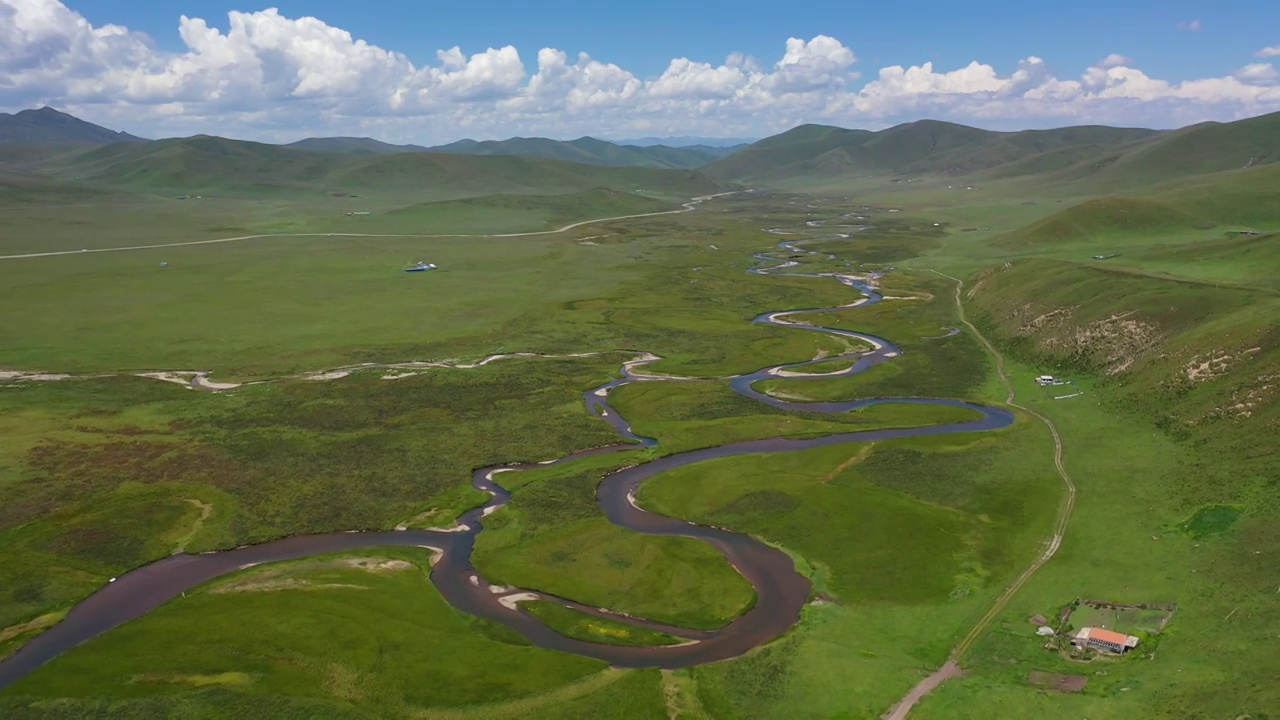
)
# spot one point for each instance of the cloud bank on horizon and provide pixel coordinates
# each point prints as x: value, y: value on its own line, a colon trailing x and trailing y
x: 272, y: 77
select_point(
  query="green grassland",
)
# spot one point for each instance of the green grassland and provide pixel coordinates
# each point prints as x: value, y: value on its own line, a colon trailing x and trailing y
x: 1136, y: 484
x: 290, y: 305
x: 1173, y: 340
x: 929, y: 366
x: 575, y: 624
x: 554, y: 538
x: 906, y: 542
x: 702, y: 414
x: 498, y: 213
x: 369, y: 632
x: 104, y: 475
x: 109, y: 473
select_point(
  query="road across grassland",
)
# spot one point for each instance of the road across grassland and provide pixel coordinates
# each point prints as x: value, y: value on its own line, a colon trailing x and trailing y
x: 952, y: 667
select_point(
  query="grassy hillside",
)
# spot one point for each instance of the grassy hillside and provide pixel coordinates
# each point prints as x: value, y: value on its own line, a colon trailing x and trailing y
x: 1085, y: 159
x: 218, y: 165
x: 796, y: 145
x: 925, y: 147
x: 1197, y: 150
x: 1238, y: 259
x: 1170, y: 449
x: 1195, y: 359
x: 1102, y: 219
x: 1196, y: 207
x: 1248, y: 198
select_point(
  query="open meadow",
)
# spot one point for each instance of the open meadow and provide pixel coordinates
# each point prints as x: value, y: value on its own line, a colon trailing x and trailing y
x: 327, y: 391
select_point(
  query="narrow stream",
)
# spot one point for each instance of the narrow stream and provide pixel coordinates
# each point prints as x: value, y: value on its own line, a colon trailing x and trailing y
x: 781, y: 591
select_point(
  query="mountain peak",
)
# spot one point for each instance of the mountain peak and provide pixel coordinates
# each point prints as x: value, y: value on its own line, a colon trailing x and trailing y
x: 49, y: 126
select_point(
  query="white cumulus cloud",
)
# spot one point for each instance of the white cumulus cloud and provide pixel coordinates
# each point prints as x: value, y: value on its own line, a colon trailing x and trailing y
x: 1268, y: 52
x: 273, y: 77
x: 1114, y: 59
x: 688, y: 79
x: 1258, y: 74
x: 820, y: 63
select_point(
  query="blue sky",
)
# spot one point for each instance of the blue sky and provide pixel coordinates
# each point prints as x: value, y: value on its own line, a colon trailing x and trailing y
x: 643, y: 37
x: 388, y: 68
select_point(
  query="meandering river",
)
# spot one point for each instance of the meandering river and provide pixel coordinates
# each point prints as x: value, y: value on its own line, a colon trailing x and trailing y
x: 781, y: 591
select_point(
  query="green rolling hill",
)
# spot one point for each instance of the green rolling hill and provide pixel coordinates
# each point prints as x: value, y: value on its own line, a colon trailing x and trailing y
x: 925, y: 147
x: 1197, y: 150
x: 1248, y: 197
x: 1188, y: 208
x: 1084, y: 160
x: 1112, y: 218
x: 210, y: 165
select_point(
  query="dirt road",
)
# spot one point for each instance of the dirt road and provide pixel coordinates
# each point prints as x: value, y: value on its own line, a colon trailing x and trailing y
x: 952, y: 666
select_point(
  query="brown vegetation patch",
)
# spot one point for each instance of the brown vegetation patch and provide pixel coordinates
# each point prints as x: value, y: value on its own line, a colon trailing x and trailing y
x: 854, y: 459
x: 81, y: 466
x: 1113, y: 343
x: 275, y: 584
x: 373, y: 564
x: 1055, y: 681
x: 40, y: 623
x: 225, y: 679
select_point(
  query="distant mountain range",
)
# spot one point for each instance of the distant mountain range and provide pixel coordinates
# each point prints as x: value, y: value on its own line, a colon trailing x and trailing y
x: 214, y: 165
x: 588, y: 150
x: 47, y: 126
x: 592, y: 151
x: 1104, y: 158
x: 687, y: 141
x: 353, y: 146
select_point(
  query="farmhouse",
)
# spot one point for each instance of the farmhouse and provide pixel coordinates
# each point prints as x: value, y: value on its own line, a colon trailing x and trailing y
x: 1104, y: 640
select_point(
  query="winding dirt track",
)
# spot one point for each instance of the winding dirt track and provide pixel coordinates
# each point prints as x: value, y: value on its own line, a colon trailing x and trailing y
x: 952, y: 667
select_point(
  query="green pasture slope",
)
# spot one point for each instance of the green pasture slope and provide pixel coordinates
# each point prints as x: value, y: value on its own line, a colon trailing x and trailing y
x: 1172, y: 337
